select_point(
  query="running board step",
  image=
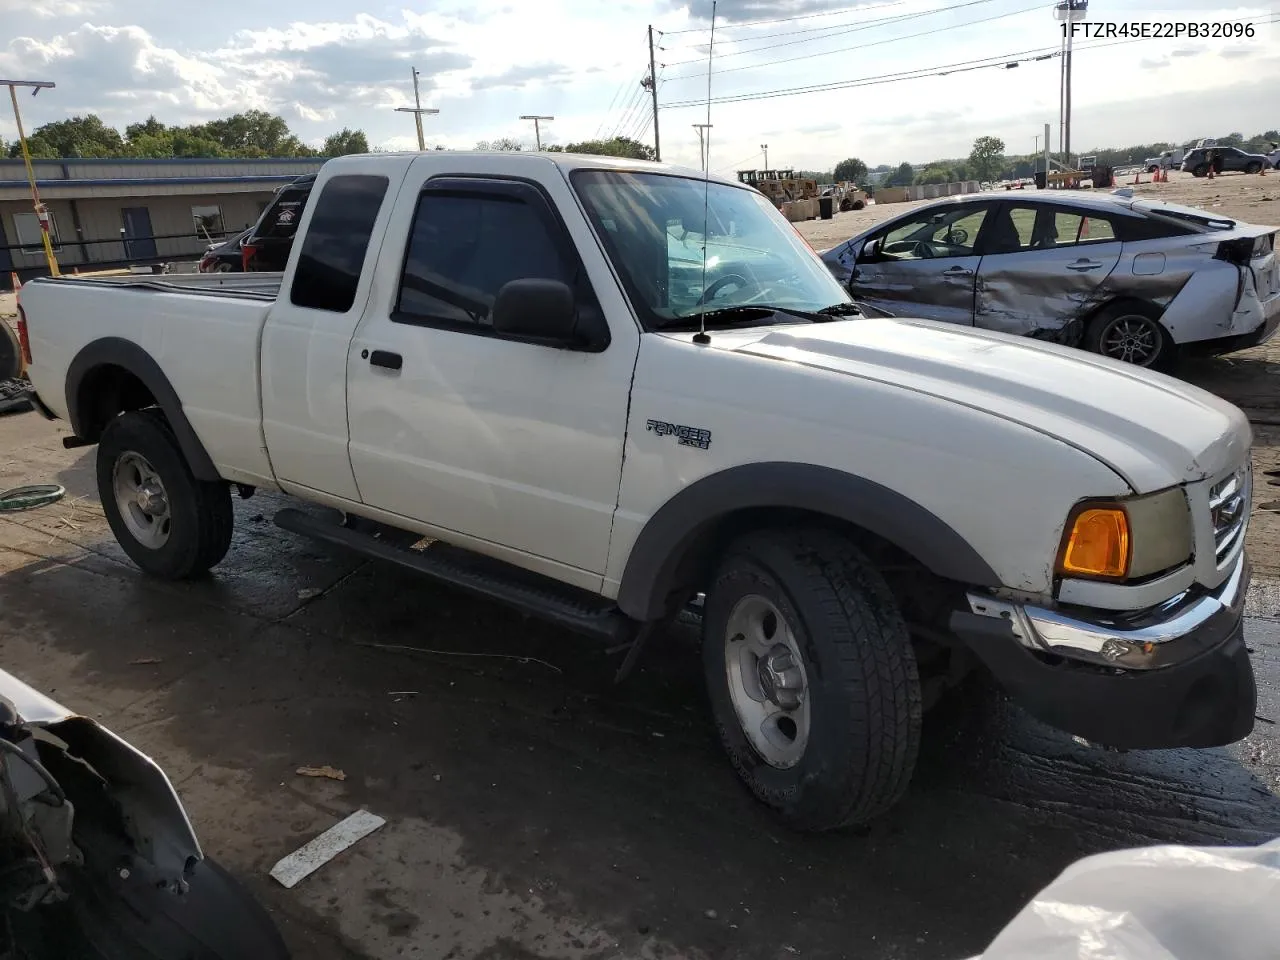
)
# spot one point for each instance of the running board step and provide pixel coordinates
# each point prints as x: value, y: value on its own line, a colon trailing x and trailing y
x: 527, y: 592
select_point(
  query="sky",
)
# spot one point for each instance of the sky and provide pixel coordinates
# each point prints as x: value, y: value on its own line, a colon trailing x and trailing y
x: 328, y: 64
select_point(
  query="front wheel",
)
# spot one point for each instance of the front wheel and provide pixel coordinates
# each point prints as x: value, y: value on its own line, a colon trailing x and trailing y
x: 812, y: 678
x: 169, y: 523
x: 1254, y: 167
x: 1200, y: 170
x: 1131, y: 332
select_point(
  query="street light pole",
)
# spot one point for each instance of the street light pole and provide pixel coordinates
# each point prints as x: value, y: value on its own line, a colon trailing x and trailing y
x: 42, y: 214
x: 765, y: 148
x: 537, y: 130
x: 417, y: 110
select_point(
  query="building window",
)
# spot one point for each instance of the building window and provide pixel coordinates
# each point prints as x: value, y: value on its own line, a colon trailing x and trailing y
x: 27, y: 228
x: 208, y: 221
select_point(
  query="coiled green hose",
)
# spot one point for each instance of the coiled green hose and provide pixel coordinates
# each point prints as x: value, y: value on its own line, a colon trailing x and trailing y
x: 28, y: 498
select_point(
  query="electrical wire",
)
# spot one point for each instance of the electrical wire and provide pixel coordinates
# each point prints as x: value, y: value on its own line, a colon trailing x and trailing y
x: 628, y: 112
x: 874, y: 43
x: 756, y: 23
x: 628, y: 105
x: 40, y: 769
x: 785, y: 33
x: 609, y: 110
x: 1001, y: 61
x: 863, y: 25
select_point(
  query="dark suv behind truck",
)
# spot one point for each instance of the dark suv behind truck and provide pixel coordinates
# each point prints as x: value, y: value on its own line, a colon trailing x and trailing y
x: 267, y: 247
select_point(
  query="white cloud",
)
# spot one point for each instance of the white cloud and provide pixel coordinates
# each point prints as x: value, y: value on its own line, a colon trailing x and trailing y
x: 483, y: 63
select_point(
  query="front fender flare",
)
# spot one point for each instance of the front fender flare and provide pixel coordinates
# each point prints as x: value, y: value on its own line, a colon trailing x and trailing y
x: 684, y: 520
x: 128, y: 356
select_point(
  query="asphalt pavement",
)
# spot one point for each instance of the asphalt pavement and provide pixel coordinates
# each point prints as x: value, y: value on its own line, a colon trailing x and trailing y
x: 534, y: 809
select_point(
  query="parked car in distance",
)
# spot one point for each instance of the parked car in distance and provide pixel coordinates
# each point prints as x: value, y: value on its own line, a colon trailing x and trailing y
x: 1225, y: 160
x: 1132, y: 279
x: 603, y: 387
x: 271, y: 238
x: 1169, y: 160
x: 225, y: 257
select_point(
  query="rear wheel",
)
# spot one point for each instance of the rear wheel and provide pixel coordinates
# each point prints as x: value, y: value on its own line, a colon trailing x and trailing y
x: 1131, y: 332
x: 223, y: 267
x: 1200, y: 170
x: 169, y: 523
x: 812, y: 678
x: 1254, y: 167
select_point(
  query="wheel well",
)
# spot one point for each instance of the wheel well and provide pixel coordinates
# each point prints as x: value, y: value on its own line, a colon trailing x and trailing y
x: 106, y: 392
x: 1146, y: 307
x: 698, y: 562
x: 925, y: 599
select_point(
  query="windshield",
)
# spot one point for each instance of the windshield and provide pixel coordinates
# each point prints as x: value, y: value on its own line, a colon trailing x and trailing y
x: 655, y: 227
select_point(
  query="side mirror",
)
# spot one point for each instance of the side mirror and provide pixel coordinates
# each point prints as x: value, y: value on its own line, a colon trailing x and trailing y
x: 870, y: 250
x: 541, y: 309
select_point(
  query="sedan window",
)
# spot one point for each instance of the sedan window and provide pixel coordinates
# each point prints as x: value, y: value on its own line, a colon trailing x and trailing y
x: 1036, y: 227
x: 935, y: 233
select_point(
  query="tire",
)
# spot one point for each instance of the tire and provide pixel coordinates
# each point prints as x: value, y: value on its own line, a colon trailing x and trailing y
x: 1136, y: 324
x: 860, y: 711
x: 184, y: 528
x: 223, y: 267
x: 859, y: 203
x: 1255, y: 167
x: 1200, y: 170
x: 1152, y: 169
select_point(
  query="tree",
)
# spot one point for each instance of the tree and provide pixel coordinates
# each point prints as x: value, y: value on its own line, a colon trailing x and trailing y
x: 345, y: 141
x: 986, y: 160
x: 616, y: 147
x: 900, y: 177
x: 502, y: 143
x: 934, y: 174
x: 254, y: 133
x: 852, y: 169
x: 77, y: 137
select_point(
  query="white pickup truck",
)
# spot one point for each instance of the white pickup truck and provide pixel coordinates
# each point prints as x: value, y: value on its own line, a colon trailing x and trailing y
x: 605, y: 389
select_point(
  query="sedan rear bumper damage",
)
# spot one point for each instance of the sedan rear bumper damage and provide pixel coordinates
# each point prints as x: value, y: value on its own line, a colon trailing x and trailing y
x: 1176, y: 676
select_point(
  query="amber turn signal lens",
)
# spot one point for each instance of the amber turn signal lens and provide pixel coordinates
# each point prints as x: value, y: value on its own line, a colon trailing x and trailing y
x: 1099, y: 544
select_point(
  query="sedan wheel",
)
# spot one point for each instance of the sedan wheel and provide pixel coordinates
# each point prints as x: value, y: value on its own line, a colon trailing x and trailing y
x: 1132, y: 338
x: 223, y: 267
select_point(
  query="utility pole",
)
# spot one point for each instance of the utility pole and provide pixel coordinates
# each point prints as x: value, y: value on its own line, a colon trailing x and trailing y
x: 417, y: 110
x: 702, y: 128
x: 1068, y: 13
x: 1066, y: 127
x: 651, y: 82
x: 537, y: 131
x: 765, y: 148
x: 42, y: 213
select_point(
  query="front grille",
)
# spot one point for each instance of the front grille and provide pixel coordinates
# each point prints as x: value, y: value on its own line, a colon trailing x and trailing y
x: 1229, y: 502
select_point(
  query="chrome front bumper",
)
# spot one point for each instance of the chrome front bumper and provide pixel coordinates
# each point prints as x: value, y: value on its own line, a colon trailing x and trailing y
x: 1172, y: 633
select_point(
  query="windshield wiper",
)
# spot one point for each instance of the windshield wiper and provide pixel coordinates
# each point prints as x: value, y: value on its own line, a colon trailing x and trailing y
x: 837, y: 310
x: 742, y: 313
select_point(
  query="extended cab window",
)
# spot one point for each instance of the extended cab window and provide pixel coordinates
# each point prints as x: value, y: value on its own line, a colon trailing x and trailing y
x: 334, y: 246
x: 464, y: 247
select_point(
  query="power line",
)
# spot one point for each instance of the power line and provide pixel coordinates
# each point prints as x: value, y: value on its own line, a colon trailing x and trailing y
x: 1002, y: 61
x: 785, y: 33
x: 756, y: 23
x: 843, y: 29
x: 875, y: 43
x: 628, y: 112
x: 609, y: 110
x: 737, y: 163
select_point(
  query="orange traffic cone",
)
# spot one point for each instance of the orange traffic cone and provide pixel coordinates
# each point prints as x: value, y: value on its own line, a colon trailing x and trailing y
x: 1137, y: 177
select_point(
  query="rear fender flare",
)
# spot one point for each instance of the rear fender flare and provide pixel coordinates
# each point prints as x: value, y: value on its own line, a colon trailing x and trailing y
x: 117, y: 352
x: 685, y: 520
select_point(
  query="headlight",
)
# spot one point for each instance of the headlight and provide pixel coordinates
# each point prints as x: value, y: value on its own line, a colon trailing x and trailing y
x: 1127, y: 539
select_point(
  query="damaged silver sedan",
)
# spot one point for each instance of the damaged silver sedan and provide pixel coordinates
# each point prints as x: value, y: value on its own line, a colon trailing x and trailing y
x: 1134, y: 279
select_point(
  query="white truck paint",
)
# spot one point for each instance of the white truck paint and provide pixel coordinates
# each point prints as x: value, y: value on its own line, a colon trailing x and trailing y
x: 971, y: 449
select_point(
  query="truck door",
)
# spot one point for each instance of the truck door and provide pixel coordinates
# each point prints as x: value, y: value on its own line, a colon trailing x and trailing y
x: 1045, y: 269
x: 309, y: 329
x: 507, y: 446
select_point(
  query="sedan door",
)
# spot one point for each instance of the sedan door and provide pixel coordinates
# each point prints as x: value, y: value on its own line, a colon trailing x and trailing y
x: 1043, y: 268
x: 924, y: 264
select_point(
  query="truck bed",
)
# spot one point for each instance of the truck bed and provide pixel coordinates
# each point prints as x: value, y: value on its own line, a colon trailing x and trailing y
x: 253, y: 286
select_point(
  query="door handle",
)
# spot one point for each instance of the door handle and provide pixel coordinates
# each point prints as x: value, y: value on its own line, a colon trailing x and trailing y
x: 1083, y: 264
x: 387, y: 359
x: 958, y: 272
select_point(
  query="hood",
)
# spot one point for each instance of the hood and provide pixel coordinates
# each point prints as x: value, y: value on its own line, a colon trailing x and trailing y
x: 1153, y: 430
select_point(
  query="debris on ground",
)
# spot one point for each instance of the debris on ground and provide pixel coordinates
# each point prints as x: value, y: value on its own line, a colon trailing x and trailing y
x: 309, y: 593
x: 328, y: 772
x: 30, y: 497
x: 314, y: 854
x: 15, y: 396
x: 143, y: 661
